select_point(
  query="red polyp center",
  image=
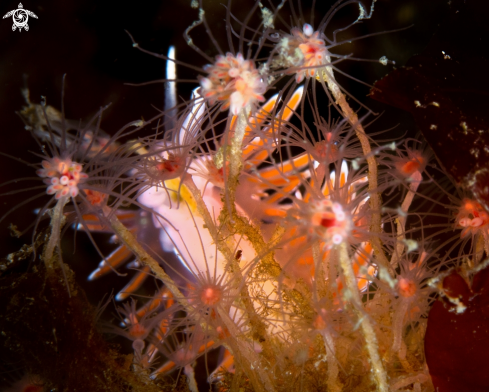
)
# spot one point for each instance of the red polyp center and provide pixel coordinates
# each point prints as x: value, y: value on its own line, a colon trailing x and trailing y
x: 94, y: 197
x: 241, y: 85
x: 210, y: 295
x: 68, y: 173
x: 326, y: 150
x: 319, y: 323
x: 407, y: 288
x: 310, y: 49
x: 167, y: 165
x: 411, y: 166
x: 137, y: 331
x: 327, y: 222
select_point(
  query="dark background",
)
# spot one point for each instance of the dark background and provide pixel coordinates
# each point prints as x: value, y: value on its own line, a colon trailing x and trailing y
x: 87, y: 42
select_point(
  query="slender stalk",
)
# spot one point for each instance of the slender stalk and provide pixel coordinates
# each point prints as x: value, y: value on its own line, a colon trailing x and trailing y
x: 379, y: 372
x: 130, y: 241
x: 190, y: 373
x: 402, y: 382
x: 248, y: 352
x: 205, y: 214
x: 398, y: 346
x: 380, y: 375
x: 401, y: 220
x: 320, y: 278
x: 144, y: 257
x: 327, y: 76
x: 225, y: 249
x: 329, y: 344
x: 240, y: 347
x: 57, y: 220
x: 235, y: 160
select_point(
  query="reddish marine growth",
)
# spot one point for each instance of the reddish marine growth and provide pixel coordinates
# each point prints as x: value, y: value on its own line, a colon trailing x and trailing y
x: 305, y: 51
x: 62, y: 176
x: 473, y: 218
x: 233, y: 80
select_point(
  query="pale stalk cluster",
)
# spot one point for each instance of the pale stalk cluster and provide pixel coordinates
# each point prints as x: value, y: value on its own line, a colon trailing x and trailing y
x: 258, y: 364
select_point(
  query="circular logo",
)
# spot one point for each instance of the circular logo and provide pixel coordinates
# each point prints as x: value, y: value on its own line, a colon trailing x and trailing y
x: 20, y: 16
